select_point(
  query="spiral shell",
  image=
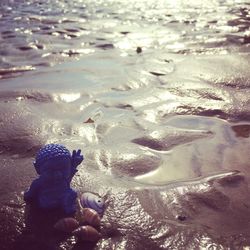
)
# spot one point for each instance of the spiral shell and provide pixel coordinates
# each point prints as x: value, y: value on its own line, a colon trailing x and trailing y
x: 90, y: 216
x: 87, y: 233
x: 89, y: 200
x: 66, y: 225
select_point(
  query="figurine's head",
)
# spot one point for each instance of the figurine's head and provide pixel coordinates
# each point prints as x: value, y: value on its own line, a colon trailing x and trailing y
x: 52, y: 157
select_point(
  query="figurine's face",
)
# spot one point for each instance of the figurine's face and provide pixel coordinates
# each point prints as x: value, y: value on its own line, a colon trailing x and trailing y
x: 62, y: 165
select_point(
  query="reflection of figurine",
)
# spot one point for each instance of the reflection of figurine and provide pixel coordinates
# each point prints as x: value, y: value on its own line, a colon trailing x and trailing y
x: 56, y: 167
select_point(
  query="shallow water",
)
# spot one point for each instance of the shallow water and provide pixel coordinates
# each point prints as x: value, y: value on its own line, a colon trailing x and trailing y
x: 156, y: 93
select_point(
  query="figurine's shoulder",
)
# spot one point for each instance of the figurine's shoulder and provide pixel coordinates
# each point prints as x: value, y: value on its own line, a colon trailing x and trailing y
x: 37, y: 182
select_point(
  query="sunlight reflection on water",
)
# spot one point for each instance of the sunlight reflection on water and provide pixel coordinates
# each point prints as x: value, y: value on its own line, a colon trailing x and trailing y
x: 61, y: 29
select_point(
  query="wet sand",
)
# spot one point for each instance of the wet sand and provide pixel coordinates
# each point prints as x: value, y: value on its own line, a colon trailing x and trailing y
x: 164, y: 129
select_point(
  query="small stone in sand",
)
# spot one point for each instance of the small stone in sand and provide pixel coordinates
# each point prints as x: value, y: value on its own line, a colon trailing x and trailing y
x: 89, y: 121
x: 138, y: 50
x: 181, y: 217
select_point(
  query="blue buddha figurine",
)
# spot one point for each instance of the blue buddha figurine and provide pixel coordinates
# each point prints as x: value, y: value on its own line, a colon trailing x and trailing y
x: 56, y: 167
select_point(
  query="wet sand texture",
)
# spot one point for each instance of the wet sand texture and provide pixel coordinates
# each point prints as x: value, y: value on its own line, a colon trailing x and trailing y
x: 155, y: 93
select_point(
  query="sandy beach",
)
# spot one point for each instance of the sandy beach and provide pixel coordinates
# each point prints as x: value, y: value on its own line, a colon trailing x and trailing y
x: 155, y: 93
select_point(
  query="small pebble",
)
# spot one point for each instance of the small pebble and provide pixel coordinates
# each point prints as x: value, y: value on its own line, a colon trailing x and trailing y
x: 138, y: 50
x: 181, y: 217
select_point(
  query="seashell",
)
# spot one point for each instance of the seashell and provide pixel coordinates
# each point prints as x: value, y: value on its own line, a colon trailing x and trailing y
x: 67, y: 225
x: 91, y: 217
x: 87, y: 233
x: 93, y: 201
